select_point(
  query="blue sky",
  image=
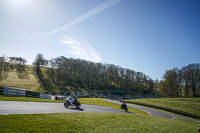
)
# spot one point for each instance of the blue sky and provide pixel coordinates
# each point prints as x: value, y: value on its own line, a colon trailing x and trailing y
x: 150, y: 36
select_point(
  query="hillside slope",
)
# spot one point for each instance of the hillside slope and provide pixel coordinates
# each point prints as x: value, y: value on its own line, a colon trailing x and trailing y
x: 34, y: 83
x: 26, y: 84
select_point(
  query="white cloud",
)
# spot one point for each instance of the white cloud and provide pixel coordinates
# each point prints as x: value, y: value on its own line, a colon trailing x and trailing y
x: 80, y: 48
x: 85, y: 16
x: 81, y: 18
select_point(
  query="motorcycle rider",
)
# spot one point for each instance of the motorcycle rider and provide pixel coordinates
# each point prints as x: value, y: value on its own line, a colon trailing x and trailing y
x: 123, y: 104
x: 73, y: 98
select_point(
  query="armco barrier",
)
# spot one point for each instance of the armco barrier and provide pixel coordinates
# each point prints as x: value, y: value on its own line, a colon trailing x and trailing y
x: 32, y: 94
x: 13, y: 92
x: 43, y: 96
x: 23, y: 93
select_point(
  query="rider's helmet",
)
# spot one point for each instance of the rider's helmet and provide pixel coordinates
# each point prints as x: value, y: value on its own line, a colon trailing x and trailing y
x: 72, y: 94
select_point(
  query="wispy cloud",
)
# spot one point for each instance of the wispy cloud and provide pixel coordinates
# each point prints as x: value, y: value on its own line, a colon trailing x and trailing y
x: 85, y: 16
x: 81, y: 18
x: 80, y: 48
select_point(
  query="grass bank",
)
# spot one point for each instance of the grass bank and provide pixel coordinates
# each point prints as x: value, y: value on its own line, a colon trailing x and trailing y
x: 183, y: 106
x: 93, y: 122
x: 13, y: 81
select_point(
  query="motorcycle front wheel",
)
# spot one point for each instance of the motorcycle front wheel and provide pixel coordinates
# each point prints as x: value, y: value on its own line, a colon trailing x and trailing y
x: 66, y: 104
x: 78, y: 105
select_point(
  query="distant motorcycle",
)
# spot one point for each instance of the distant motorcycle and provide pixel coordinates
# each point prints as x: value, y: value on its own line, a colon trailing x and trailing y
x: 124, y: 106
x: 75, y: 103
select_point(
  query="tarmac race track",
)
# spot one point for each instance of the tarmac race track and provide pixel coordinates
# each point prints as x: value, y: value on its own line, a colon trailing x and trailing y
x: 154, y: 112
x: 17, y: 107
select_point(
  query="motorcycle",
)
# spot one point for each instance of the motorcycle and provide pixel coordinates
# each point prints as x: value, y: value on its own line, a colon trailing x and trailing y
x: 75, y: 103
x: 124, y: 106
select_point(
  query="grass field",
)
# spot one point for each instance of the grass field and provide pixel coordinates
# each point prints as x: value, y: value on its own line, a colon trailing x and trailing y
x: 185, y: 106
x: 94, y: 122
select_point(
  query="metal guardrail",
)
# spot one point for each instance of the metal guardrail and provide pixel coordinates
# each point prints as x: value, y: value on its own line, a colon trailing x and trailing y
x: 23, y: 93
x: 32, y: 94
x: 13, y: 92
x: 43, y: 96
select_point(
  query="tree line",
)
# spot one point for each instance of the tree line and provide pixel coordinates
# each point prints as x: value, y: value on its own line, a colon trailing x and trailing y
x: 184, y: 82
x: 62, y: 71
x: 81, y: 73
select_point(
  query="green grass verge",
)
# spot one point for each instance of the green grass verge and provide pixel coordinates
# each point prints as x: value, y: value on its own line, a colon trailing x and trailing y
x: 93, y: 122
x: 184, y: 106
x: 101, y: 102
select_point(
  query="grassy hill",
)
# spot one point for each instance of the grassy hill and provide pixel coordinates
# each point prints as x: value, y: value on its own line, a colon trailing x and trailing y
x: 61, y: 80
x: 34, y: 83
x: 26, y: 84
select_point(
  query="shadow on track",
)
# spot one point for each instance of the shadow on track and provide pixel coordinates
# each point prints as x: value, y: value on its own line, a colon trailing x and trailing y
x: 80, y: 109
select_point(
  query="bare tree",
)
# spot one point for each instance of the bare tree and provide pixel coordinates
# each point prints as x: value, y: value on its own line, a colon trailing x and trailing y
x: 39, y: 62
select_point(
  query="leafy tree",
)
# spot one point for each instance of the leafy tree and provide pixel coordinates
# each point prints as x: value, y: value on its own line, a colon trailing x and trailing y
x: 193, y: 72
x: 64, y: 71
x: 172, y: 79
x: 182, y: 82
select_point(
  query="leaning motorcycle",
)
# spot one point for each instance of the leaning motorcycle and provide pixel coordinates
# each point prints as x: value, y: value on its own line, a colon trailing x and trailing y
x: 75, y: 103
x: 124, y: 107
